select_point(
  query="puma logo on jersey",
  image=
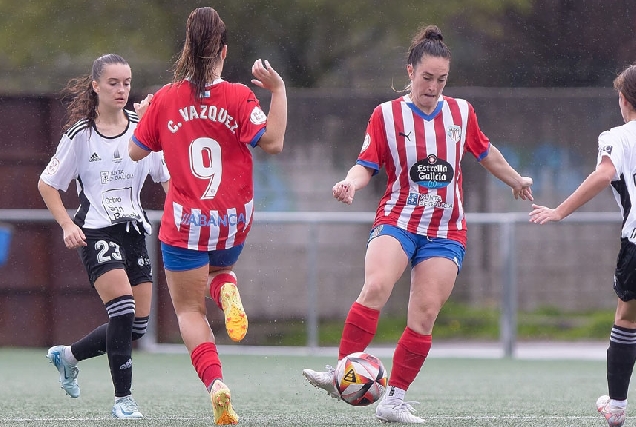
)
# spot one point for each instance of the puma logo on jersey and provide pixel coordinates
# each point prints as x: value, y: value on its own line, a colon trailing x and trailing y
x: 407, y: 136
x: 94, y: 158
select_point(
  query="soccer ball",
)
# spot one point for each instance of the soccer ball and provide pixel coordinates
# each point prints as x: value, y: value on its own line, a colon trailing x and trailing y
x: 360, y: 379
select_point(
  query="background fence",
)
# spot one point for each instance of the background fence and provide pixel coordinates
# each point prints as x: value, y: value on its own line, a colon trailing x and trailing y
x: 548, y: 134
x: 510, y: 254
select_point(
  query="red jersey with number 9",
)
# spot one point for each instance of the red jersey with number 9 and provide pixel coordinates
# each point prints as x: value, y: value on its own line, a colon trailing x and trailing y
x: 206, y: 144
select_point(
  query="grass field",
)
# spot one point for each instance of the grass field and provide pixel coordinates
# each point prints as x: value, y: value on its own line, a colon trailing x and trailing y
x: 271, y: 391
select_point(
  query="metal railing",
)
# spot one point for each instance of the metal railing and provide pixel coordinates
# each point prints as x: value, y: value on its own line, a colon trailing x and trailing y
x: 507, y: 244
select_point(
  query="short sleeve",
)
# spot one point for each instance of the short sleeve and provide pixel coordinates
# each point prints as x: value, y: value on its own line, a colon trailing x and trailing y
x: 62, y: 168
x: 146, y: 133
x: 609, y: 145
x: 252, y: 118
x: 158, y: 170
x: 477, y: 143
x: 374, y: 140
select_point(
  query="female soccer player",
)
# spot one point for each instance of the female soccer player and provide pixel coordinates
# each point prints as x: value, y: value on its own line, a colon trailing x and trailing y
x: 110, y: 226
x: 206, y: 125
x: 420, y: 139
x: 615, y: 166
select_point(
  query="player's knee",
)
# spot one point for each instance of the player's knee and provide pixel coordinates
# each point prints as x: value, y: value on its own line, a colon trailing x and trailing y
x: 140, y: 325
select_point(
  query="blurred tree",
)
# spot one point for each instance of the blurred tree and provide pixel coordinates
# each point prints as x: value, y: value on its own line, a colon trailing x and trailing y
x: 565, y: 43
x: 311, y: 42
x: 324, y: 43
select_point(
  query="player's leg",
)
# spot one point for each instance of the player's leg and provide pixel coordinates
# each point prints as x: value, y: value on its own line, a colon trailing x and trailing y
x: 222, y: 288
x: 437, y: 262
x: 385, y: 261
x: 187, y: 278
x: 621, y: 353
x: 115, y: 291
x: 139, y: 271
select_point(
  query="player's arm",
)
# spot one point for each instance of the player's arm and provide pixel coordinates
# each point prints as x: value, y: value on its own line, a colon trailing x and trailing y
x: 358, y: 177
x: 266, y: 77
x: 593, y: 184
x: 73, y: 235
x: 496, y: 164
x: 136, y: 151
x: 166, y: 186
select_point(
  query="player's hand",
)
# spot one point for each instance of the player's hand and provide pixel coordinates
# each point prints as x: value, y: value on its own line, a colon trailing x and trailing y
x: 543, y: 214
x: 343, y: 191
x: 266, y: 76
x: 141, y: 107
x: 73, y: 236
x: 524, y: 192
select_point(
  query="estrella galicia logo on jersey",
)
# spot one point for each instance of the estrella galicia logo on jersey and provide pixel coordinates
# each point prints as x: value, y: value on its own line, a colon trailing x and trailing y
x: 432, y: 172
x: 454, y: 133
x: 605, y: 149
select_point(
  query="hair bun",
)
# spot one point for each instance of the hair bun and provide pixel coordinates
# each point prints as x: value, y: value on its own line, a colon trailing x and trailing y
x: 432, y: 32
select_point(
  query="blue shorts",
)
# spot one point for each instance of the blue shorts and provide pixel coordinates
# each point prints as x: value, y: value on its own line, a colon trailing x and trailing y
x: 181, y: 259
x: 419, y: 248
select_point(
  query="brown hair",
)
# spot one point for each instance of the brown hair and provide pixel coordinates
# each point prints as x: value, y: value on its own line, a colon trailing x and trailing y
x: 205, y: 37
x: 83, y: 99
x: 625, y: 83
x: 428, y: 41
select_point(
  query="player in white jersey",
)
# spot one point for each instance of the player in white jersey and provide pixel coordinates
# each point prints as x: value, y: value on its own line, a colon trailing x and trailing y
x: 419, y: 139
x: 615, y: 167
x: 110, y: 225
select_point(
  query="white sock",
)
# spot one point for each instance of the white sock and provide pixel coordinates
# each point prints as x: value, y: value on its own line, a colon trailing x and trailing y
x: 68, y: 355
x: 618, y: 403
x: 394, y: 393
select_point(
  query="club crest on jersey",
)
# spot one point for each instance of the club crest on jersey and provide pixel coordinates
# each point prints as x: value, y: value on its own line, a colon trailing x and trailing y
x: 432, y: 172
x: 116, y: 156
x: 454, y: 133
x: 366, y: 143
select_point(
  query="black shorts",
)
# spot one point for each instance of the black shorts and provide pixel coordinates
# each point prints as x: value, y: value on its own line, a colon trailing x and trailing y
x: 118, y: 246
x: 625, y: 274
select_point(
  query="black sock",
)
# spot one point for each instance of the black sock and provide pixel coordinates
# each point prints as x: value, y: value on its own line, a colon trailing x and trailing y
x: 621, y: 356
x: 121, y: 313
x: 92, y: 345
x: 139, y: 327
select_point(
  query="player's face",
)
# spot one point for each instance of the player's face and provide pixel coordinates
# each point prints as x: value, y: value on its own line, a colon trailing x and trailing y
x: 428, y: 78
x: 113, y: 87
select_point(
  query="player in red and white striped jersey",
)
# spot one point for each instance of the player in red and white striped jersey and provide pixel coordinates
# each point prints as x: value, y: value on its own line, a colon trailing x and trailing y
x: 206, y: 127
x: 419, y: 139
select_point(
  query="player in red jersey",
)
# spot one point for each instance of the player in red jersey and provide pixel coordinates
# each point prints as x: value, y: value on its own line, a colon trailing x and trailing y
x: 419, y: 139
x: 206, y: 127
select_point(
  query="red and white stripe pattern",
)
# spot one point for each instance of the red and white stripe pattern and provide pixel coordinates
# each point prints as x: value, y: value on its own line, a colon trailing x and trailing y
x: 400, y: 135
x: 213, y: 230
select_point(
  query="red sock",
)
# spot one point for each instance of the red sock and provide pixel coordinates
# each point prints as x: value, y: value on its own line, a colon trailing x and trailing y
x: 359, y: 329
x: 216, y: 283
x: 205, y: 360
x: 409, y: 356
